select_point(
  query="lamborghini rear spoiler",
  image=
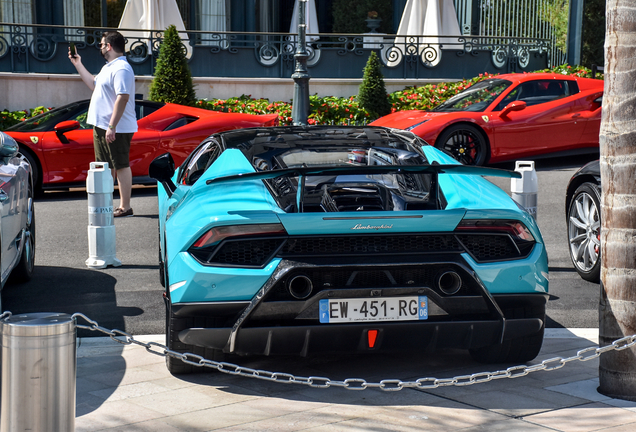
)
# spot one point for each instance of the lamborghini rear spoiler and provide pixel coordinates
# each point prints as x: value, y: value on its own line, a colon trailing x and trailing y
x: 303, y: 172
x: 376, y: 169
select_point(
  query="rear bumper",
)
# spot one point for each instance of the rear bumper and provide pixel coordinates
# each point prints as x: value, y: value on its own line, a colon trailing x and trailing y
x: 313, y: 338
x: 276, y: 322
x: 391, y: 337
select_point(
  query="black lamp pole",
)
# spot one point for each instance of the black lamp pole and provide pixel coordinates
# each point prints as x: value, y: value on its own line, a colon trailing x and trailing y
x: 300, y: 107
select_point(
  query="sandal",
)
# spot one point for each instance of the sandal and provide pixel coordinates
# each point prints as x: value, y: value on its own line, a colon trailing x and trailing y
x: 120, y: 212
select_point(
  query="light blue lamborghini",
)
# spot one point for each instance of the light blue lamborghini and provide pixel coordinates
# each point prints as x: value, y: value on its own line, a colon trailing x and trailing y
x: 307, y: 240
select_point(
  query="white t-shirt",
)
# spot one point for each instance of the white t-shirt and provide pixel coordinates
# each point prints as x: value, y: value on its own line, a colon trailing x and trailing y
x: 115, y: 78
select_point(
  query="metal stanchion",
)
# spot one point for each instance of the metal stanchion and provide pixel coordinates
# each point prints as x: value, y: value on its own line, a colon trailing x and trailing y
x: 38, y: 372
x: 101, y: 227
x: 524, y: 190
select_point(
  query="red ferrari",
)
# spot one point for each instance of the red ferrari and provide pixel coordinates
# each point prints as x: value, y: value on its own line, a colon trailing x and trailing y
x: 511, y: 116
x: 59, y: 143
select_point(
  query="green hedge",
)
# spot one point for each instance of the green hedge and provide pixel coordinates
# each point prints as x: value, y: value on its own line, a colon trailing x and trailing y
x: 329, y: 110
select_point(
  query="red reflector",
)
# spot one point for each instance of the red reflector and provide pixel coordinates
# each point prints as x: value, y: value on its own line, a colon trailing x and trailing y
x: 372, y: 335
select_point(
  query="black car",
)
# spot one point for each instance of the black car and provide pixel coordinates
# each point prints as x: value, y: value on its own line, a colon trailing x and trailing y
x: 583, y: 218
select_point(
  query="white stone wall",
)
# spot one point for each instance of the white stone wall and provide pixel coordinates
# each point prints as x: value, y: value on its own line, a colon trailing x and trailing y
x: 25, y: 91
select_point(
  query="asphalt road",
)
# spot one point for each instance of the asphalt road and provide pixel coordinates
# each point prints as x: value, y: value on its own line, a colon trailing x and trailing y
x: 573, y: 302
x: 129, y: 297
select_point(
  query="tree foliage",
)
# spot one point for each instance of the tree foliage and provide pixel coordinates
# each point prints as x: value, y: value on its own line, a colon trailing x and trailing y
x: 372, y: 93
x: 173, y: 80
x: 349, y: 15
x: 557, y: 13
x: 592, y: 51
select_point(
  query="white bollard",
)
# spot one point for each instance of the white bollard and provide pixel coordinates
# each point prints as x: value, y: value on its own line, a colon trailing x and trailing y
x: 101, y: 228
x: 524, y: 190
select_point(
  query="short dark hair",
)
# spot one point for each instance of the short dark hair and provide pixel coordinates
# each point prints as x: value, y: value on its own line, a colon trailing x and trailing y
x: 116, y: 41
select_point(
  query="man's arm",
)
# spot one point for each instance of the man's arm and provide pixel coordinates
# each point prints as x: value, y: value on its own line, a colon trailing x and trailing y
x: 86, y: 76
x: 118, y: 111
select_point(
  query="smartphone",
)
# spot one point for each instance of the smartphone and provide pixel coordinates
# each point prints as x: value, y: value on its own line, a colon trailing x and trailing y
x: 73, y: 53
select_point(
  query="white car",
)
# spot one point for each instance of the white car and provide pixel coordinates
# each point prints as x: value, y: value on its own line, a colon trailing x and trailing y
x: 17, y: 222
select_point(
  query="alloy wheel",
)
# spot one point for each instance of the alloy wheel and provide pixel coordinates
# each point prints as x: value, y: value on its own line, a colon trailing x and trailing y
x: 465, y: 143
x: 584, y: 232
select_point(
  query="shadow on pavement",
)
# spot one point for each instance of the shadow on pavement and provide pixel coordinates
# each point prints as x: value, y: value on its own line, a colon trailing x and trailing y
x: 76, y: 290
x: 548, y: 163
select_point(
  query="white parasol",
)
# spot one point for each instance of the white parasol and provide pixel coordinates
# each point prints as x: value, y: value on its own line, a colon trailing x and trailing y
x: 430, y: 18
x: 311, y: 20
x: 152, y: 16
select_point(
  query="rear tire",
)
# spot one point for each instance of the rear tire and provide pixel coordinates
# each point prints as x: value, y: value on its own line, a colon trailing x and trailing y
x: 23, y: 272
x: 173, y: 326
x: 515, y: 350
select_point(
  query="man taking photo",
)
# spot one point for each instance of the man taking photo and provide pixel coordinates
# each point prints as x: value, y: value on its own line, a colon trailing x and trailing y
x: 112, y: 112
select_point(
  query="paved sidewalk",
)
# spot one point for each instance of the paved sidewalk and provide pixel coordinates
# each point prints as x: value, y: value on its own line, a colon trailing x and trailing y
x: 126, y: 388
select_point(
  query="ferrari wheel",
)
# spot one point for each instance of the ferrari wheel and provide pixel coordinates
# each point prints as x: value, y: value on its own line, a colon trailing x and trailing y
x: 465, y: 143
x: 584, y: 231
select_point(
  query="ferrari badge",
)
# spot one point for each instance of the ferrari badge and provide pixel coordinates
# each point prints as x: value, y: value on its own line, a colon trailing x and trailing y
x: 34, y: 139
x: 485, y: 118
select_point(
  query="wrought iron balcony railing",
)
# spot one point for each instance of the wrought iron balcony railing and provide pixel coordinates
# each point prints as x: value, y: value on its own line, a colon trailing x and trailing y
x: 43, y: 49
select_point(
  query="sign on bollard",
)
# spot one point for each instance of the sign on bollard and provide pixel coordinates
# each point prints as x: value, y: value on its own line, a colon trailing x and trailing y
x: 524, y: 190
x: 39, y: 368
x: 101, y: 227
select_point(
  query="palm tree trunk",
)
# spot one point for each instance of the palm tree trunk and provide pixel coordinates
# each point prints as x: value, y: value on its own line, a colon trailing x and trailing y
x: 617, y: 308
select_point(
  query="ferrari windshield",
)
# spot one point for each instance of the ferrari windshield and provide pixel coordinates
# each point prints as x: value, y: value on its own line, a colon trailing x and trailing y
x: 47, y: 120
x: 476, y: 98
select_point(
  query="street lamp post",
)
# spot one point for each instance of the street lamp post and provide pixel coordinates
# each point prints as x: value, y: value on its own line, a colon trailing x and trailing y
x: 300, y: 107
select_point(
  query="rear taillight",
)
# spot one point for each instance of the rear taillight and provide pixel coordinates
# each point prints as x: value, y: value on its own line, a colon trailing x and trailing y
x: 495, y: 240
x: 220, y: 233
x: 250, y: 246
x: 515, y: 229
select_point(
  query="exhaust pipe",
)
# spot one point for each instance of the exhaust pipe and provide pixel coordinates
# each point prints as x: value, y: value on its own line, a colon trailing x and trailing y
x: 449, y: 282
x: 300, y: 287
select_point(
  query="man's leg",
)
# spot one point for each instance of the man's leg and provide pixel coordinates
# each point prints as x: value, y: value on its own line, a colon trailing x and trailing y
x: 124, y: 180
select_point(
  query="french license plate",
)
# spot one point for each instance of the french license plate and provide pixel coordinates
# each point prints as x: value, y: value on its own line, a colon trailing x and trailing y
x: 380, y: 309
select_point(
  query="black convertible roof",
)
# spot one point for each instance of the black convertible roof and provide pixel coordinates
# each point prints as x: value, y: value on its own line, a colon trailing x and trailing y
x: 288, y: 137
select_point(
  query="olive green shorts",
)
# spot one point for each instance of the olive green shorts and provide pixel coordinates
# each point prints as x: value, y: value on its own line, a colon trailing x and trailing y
x: 117, y: 153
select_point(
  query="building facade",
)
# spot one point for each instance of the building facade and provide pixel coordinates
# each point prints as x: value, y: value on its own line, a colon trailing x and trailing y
x: 205, y: 15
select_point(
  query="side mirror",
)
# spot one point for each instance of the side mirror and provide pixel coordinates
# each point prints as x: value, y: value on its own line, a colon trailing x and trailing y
x: 8, y: 147
x: 513, y: 106
x: 162, y: 169
x: 63, y: 127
